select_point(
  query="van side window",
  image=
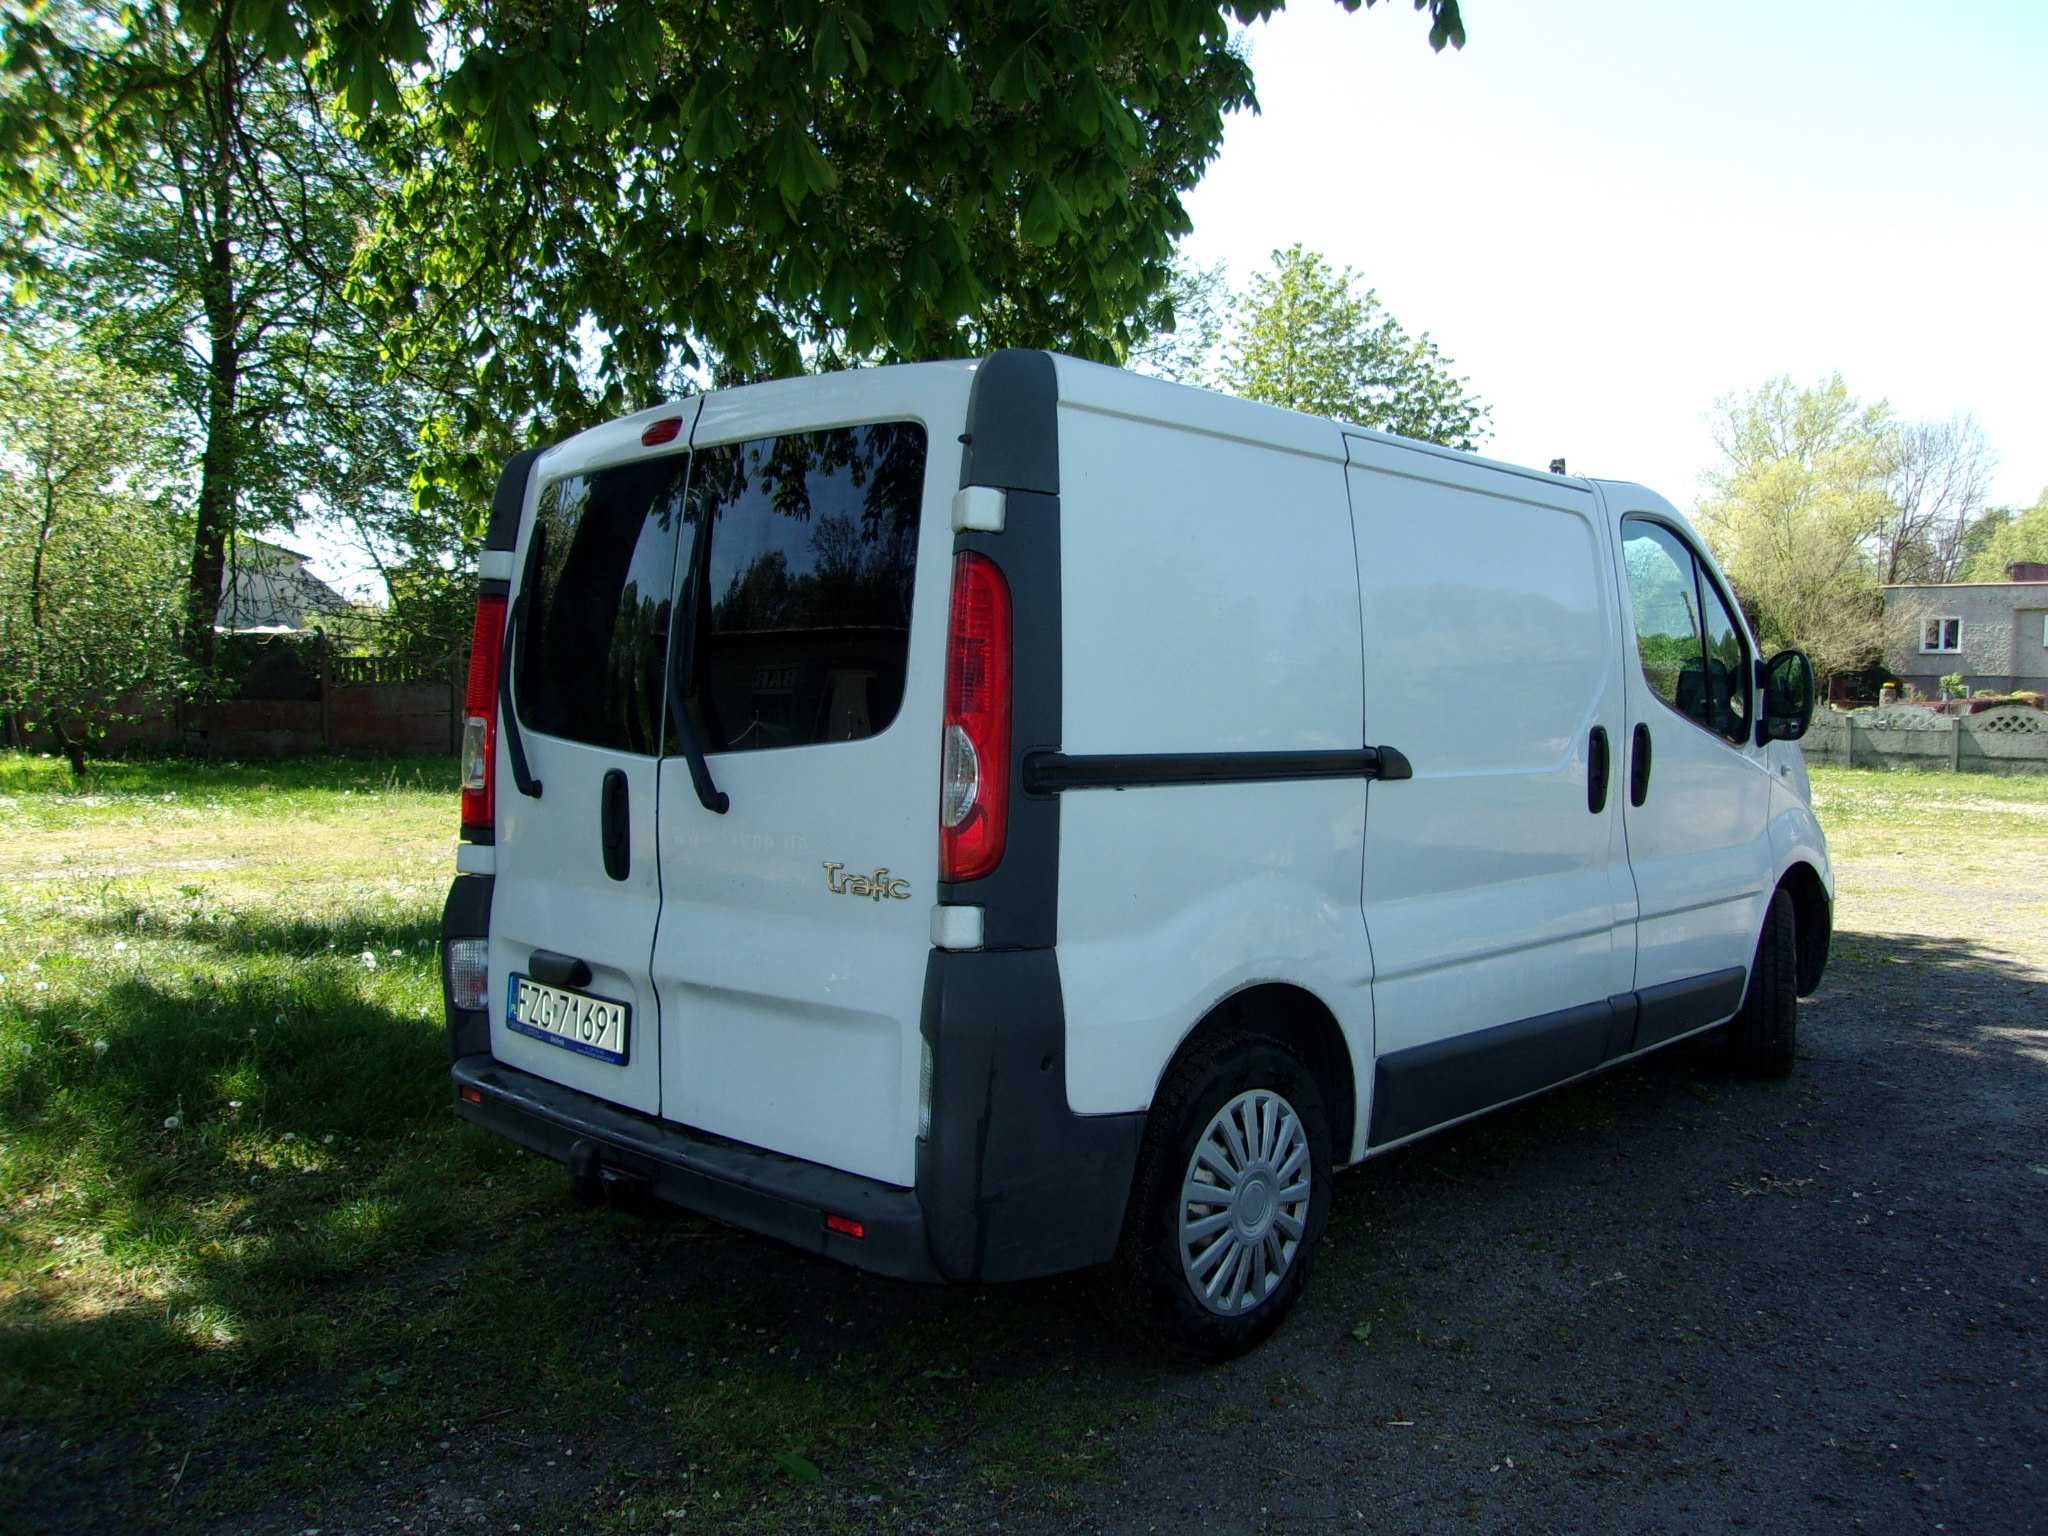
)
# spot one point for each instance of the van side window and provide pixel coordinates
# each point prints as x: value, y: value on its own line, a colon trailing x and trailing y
x: 600, y: 572
x: 1692, y: 652
x: 802, y: 608
x: 1728, y: 670
x: 1665, y: 596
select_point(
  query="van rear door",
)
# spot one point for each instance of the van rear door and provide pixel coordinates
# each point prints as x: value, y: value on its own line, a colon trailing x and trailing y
x: 578, y: 885
x: 816, y: 560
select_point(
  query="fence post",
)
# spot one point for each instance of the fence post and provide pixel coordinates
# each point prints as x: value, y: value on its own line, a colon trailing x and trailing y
x: 1955, y: 744
x: 326, y: 696
x: 457, y: 689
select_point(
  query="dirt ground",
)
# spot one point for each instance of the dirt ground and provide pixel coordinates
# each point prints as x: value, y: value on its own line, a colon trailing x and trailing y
x: 1666, y: 1300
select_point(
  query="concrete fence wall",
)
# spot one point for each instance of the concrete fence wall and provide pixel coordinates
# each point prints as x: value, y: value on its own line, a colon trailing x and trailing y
x: 2008, y: 739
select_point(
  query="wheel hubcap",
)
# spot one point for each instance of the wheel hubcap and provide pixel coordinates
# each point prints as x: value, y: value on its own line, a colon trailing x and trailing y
x: 1244, y: 1202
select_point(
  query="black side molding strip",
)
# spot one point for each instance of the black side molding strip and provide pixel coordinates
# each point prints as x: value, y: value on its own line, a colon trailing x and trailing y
x: 1679, y: 1007
x: 1050, y: 773
x: 1425, y: 1086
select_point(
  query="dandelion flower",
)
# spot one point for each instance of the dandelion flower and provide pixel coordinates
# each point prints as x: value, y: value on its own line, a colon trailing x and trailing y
x: 369, y: 959
x: 99, y: 1047
x: 172, y: 1122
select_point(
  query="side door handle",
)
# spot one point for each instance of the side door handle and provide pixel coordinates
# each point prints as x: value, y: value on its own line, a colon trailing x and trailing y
x: 1639, y: 767
x: 616, y: 825
x: 1596, y: 770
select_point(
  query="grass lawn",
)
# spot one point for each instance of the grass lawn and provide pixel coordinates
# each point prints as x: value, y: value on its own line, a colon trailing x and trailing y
x: 252, y: 1268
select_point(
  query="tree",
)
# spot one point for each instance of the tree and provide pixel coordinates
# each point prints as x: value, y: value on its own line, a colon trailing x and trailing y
x: 1307, y: 338
x: 750, y: 187
x: 88, y: 557
x: 1935, y: 478
x: 2009, y: 536
x: 1187, y: 324
x: 1793, y: 511
x: 199, y: 229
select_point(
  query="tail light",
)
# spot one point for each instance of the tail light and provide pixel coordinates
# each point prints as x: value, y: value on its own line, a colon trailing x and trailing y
x: 480, y: 716
x: 974, y: 763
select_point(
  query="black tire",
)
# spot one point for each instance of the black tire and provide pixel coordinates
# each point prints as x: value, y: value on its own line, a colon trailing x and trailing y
x: 1761, y: 1037
x: 1150, y: 1269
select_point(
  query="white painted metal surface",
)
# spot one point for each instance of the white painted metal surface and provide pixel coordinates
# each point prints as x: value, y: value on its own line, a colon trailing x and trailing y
x: 552, y: 891
x: 1210, y: 605
x: 790, y: 1015
x: 1491, y: 891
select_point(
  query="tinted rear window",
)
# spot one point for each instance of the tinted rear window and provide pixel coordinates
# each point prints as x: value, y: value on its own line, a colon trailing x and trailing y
x: 600, y: 576
x: 804, y: 590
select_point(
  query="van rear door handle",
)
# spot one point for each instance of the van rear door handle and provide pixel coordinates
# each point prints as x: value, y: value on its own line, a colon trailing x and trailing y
x: 615, y: 825
x: 551, y: 969
x: 1639, y: 767
x: 1596, y: 770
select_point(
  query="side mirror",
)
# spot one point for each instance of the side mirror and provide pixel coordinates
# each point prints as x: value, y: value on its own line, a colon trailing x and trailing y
x: 1788, y: 698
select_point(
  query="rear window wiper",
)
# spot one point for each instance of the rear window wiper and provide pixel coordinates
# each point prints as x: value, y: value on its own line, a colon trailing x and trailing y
x: 682, y: 678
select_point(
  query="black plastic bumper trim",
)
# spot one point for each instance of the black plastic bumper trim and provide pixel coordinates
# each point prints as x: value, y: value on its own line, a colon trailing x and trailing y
x: 1014, y: 1184
x: 767, y: 1192
x: 465, y: 915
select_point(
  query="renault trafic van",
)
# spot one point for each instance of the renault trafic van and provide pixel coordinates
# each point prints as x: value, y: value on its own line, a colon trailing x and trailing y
x: 981, y: 820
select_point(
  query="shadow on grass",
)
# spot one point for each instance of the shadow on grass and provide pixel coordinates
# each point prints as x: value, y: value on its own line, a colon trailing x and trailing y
x: 247, y: 933
x: 390, y: 1298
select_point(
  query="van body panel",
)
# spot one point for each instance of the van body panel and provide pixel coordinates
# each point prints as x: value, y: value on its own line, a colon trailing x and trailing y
x: 790, y: 956
x: 1256, y: 650
x: 1699, y: 845
x: 1160, y: 926
x: 1493, y: 892
x: 552, y: 891
x: 1291, y: 703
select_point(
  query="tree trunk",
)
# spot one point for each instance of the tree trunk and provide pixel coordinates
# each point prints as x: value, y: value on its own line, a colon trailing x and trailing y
x: 218, y: 464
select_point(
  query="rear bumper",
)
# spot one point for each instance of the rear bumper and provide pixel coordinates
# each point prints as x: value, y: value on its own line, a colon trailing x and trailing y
x: 767, y: 1192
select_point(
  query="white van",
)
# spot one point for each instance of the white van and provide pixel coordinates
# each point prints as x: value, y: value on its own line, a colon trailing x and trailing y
x: 981, y: 820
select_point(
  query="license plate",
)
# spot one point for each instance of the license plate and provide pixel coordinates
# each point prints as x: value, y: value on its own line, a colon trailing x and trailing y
x: 589, y: 1026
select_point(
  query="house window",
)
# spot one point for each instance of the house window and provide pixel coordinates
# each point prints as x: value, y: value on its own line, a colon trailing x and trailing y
x: 1943, y: 634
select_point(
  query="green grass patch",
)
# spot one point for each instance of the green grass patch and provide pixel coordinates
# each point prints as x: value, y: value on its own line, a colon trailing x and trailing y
x: 252, y: 1267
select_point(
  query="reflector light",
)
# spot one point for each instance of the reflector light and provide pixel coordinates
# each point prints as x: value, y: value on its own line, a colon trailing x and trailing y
x: 845, y: 1224
x: 974, y: 757
x: 467, y: 962
x: 480, y: 716
x: 663, y: 431
x: 472, y: 1095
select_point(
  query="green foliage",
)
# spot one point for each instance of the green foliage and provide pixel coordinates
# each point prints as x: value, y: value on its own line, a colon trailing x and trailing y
x: 2009, y: 536
x: 189, y: 207
x: 1792, y: 511
x: 1308, y: 339
x: 88, y: 558
x: 756, y: 189
x: 1952, y: 686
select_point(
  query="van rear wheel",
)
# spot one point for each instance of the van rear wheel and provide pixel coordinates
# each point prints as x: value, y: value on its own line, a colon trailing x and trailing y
x: 1231, y: 1195
x: 1761, y: 1037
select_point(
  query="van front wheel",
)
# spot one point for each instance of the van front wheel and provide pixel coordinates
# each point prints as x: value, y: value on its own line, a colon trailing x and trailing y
x: 1231, y: 1195
x: 1761, y: 1037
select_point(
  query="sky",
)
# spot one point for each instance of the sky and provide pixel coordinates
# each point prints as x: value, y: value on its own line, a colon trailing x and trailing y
x: 1611, y: 213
